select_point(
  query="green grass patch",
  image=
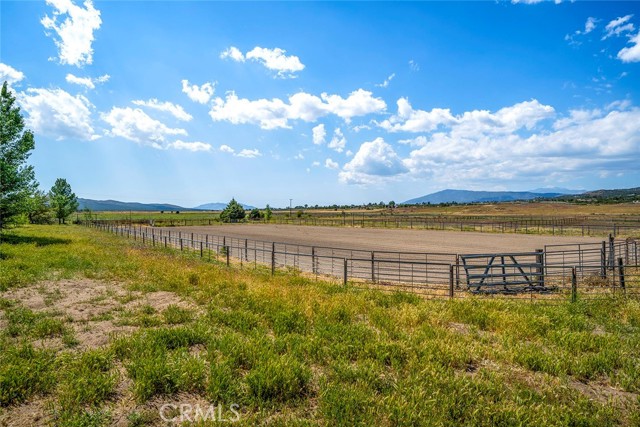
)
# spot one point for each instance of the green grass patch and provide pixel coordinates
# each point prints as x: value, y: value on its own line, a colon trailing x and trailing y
x: 295, y: 352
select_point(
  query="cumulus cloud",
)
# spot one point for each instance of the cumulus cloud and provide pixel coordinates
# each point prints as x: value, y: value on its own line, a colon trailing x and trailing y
x: 232, y: 53
x: 319, y: 134
x: 10, y: 74
x: 189, y: 146
x: 387, y: 81
x: 249, y: 153
x: 275, y: 59
x: 57, y: 113
x: 374, y: 160
x: 87, y: 82
x: 409, y: 120
x: 631, y: 53
x: 618, y: 26
x: 338, y: 141
x: 330, y: 164
x: 509, y: 119
x: 135, y: 125
x: 226, y: 149
x: 74, y: 26
x: 201, y: 94
x: 174, y: 109
x: 584, y: 141
x: 276, y: 113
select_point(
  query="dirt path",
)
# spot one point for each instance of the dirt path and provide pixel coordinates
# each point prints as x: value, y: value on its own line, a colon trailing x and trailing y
x: 389, y: 239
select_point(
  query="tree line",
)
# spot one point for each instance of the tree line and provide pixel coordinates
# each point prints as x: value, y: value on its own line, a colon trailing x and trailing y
x: 20, y: 198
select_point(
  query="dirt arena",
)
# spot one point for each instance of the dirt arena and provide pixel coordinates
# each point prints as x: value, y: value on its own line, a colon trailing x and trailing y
x: 375, y: 239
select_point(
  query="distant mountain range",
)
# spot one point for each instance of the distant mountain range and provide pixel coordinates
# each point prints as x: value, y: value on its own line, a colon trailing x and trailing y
x: 466, y: 196
x: 114, y: 205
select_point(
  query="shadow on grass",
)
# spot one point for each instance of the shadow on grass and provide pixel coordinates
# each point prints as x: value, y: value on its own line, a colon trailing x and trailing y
x: 13, y: 239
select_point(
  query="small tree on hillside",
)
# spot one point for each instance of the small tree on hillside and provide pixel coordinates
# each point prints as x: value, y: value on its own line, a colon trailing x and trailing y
x: 234, y: 212
x: 17, y: 180
x: 63, y: 201
x: 267, y: 213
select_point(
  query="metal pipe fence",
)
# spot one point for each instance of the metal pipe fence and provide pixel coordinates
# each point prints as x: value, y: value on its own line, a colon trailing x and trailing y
x: 590, y: 270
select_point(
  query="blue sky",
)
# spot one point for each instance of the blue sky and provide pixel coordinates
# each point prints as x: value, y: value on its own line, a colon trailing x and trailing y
x: 323, y: 102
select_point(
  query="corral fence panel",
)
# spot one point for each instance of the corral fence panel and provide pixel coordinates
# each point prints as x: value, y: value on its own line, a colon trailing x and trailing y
x: 595, y: 269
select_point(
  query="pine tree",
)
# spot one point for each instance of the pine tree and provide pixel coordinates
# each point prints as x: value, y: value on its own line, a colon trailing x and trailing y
x: 17, y: 179
x: 63, y: 201
x: 233, y: 212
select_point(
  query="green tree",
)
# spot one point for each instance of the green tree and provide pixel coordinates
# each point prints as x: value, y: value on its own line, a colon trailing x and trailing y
x: 255, y: 214
x: 63, y: 201
x: 234, y: 212
x: 17, y: 179
x: 38, y: 208
x: 268, y: 213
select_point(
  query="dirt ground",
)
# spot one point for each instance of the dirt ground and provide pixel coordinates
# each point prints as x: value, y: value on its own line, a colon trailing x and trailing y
x: 401, y: 240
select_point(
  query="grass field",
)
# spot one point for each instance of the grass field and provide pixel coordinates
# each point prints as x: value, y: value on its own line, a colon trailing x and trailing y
x: 95, y: 330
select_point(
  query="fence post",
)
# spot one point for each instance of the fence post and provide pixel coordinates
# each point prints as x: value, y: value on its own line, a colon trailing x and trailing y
x: 344, y: 275
x: 180, y: 245
x: 246, y: 250
x: 313, y: 259
x: 373, y: 266
x: 153, y: 238
x: 540, y: 269
x: 201, y: 253
x: 574, y: 285
x: 457, y: 271
x: 621, y: 274
x: 226, y: 250
x: 165, y: 241
x: 273, y: 258
x: 612, y: 253
x: 450, y: 281
x: 603, y: 260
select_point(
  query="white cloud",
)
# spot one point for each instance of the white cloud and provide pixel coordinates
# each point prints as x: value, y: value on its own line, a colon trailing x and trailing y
x: 418, y: 141
x: 359, y: 103
x: 509, y: 119
x: 273, y: 59
x: 299, y: 156
x: 250, y: 154
x: 631, y: 53
x: 618, y: 26
x: 269, y: 114
x: 319, y: 134
x: 226, y: 149
x: 330, y: 164
x: 174, y: 109
x: 584, y: 142
x: 201, y: 94
x: 414, y: 65
x: 190, y: 146
x: 373, y: 161
x: 10, y: 74
x: 56, y: 113
x: 590, y: 25
x: 338, y: 141
x: 135, y: 125
x: 276, y: 60
x: 232, y: 53
x: 387, y: 81
x: 276, y: 113
x: 75, y: 33
x: 409, y: 120
x: 87, y: 81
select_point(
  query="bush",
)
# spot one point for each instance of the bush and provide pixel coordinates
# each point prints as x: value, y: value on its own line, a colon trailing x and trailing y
x: 255, y: 214
x: 234, y: 212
